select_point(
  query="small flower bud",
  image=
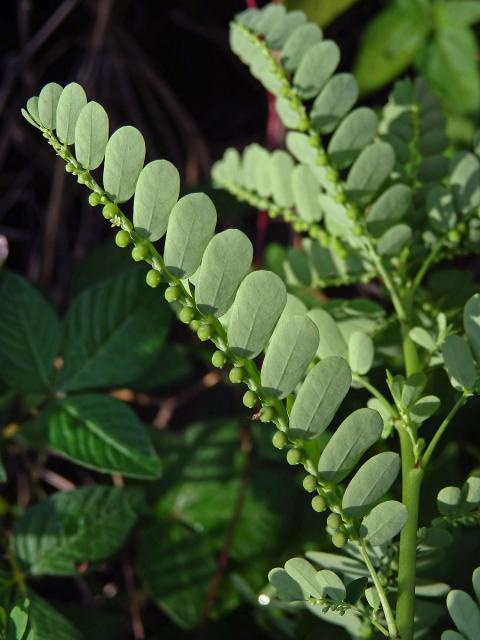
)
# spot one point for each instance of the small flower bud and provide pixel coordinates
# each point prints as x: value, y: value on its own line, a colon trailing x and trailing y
x: 310, y: 483
x: 279, y: 440
x: 250, y: 399
x: 186, y: 315
x: 334, y: 521
x: 339, y: 540
x: 319, y: 504
x: 294, y: 456
x: 153, y: 278
x: 236, y: 375
x: 94, y: 199
x: 218, y: 359
x: 122, y: 239
x: 172, y: 294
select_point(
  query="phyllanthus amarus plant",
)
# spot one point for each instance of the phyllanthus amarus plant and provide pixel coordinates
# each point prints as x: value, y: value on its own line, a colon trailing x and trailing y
x: 375, y: 199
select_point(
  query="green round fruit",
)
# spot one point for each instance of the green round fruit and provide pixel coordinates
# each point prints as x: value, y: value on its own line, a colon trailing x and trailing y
x: 186, y: 315
x: 194, y: 325
x: 70, y: 168
x: 109, y: 211
x: 454, y: 236
x: 204, y: 332
x: 139, y: 253
x: 267, y: 414
x: 334, y: 521
x: 122, y: 239
x: 319, y: 504
x: 339, y: 540
x: 250, y: 399
x: 294, y: 456
x: 279, y: 440
x: 218, y: 359
x: 310, y: 483
x: 153, y: 278
x: 236, y: 375
x: 172, y: 294
x: 81, y: 179
x: 94, y: 199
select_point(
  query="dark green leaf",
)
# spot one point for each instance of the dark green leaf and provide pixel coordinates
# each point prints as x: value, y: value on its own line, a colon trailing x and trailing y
x: 44, y: 618
x: 29, y: 336
x: 471, y: 323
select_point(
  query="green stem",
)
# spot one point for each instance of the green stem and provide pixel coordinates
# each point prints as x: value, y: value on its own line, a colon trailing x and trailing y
x: 376, y: 394
x: 442, y: 428
x: 410, y: 353
x: 411, y: 485
x: 387, y: 280
x: 387, y: 610
x: 429, y: 260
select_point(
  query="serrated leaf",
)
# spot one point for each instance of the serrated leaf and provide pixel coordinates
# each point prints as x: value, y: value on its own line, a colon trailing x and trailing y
x: 124, y: 158
x: 84, y: 525
x: 98, y: 325
x: 305, y: 575
x: 29, y: 336
x: 176, y: 565
x: 459, y: 362
x: 281, y: 168
x: 99, y: 432
x: 331, y: 585
x: 298, y: 44
x: 91, y: 135
x: 292, y: 347
x: 190, y: 228
x: 394, y: 240
x: 334, y: 102
x: 319, y: 397
x: 306, y: 189
x: 225, y: 263
x: 465, y: 613
x: 390, y: 43
x: 356, y: 131
x: 156, y: 193
x: 370, y: 170
x: 47, y: 104
x: 316, y: 68
x: 258, y: 305
x: 357, y: 433
x: 286, y: 587
x: 389, y: 208
x: 370, y: 483
x: 361, y: 352
x: 384, y: 522
x: 44, y: 618
x: 71, y: 102
x: 332, y: 342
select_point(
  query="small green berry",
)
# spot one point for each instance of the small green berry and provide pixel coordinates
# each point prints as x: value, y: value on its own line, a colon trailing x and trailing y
x: 334, y: 521
x: 81, y: 178
x: 218, y: 359
x: 194, y: 325
x: 310, y: 483
x: 122, y: 239
x: 109, y: 211
x: 69, y: 168
x: 454, y: 236
x: 250, y: 399
x: 172, y: 294
x: 319, y: 504
x: 267, y: 414
x: 139, y: 252
x: 236, y: 375
x: 294, y: 456
x: 332, y: 175
x: 153, y: 278
x: 339, y: 540
x: 186, y: 315
x: 357, y: 230
x: 352, y: 213
x: 321, y: 159
x: 340, y: 197
x: 279, y: 440
x: 204, y: 332
x: 94, y: 199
